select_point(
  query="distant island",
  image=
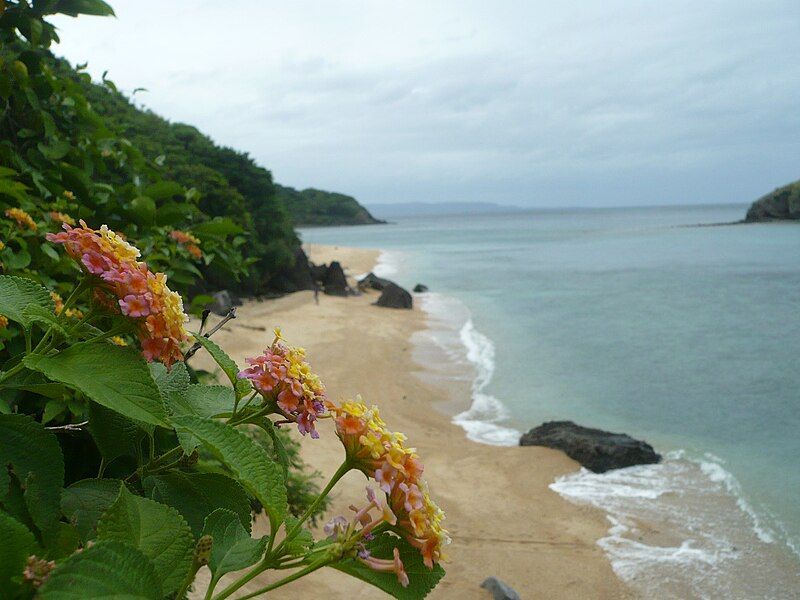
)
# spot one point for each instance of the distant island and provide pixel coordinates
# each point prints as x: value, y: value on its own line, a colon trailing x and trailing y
x: 312, y: 207
x: 424, y: 209
x: 783, y: 204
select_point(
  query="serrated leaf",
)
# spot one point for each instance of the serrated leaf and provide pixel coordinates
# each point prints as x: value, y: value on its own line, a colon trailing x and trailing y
x: 197, y: 495
x: 249, y: 461
x: 157, y: 530
x: 203, y: 401
x: 111, y: 570
x: 170, y: 381
x: 277, y: 445
x: 421, y: 580
x: 232, y: 548
x: 18, y: 544
x: 85, y: 501
x: 45, y: 317
x: 35, y: 457
x: 225, y: 362
x: 117, y: 378
x: 17, y: 293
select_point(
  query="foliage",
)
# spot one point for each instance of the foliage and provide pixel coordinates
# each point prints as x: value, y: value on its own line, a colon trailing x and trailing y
x: 319, y: 208
x: 153, y: 513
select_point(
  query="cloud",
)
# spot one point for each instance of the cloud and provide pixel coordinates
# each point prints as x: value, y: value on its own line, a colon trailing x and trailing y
x: 572, y: 103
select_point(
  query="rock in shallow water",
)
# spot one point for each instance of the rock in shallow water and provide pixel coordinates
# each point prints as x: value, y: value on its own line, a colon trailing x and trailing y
x: 420, y: 288
x: 394, y: 296
x: 597, y: 450
x: 499, y: 590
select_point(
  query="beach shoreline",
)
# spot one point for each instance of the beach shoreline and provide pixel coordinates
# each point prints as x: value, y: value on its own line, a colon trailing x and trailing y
x: 504, y: 519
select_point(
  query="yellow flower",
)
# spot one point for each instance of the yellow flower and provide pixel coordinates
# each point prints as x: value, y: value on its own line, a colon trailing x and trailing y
x: 22, y: 218
x: 61, y: 217
x: 69, y: 195
x: 3, y: 321
x: 2, y: 245
x: 118, y: 341
x: 74, y: 312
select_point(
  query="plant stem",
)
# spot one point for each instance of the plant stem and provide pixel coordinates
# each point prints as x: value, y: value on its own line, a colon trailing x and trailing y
x: 294, y: 576
x: 340, y: 472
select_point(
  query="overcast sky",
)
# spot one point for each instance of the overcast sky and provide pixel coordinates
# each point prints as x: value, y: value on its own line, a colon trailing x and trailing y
x: 576, y: 103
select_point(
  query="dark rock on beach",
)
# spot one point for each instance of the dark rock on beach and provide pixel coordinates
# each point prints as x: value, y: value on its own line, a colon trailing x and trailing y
x: 499, y: 590
x: 781, y: 205
x: 394, y: 296
x: 420, y: 288
x: 372, y: 282
x: 318, y: 272
x: 597, y: 450
x: 335, y: 283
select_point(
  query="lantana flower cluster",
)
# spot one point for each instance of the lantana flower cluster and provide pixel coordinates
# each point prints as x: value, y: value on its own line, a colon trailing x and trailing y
x: 384, y: 456
x: 188, y: 241
x: 281, y: 373
x: 130, y: 287
x: 362, y: 524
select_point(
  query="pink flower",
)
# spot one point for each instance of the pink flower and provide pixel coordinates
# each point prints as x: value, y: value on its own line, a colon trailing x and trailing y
x: 94, y: 263
x: 135, y: 306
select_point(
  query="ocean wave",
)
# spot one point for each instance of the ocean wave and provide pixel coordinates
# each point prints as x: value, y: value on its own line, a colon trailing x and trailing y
x: 684, y: 521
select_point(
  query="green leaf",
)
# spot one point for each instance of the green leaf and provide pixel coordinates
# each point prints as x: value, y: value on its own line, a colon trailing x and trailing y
x: 142, y: 210
x: 277, y: 445
x: 203, y: 401
x: 18, y: 544
x: 114, y: 435
x: 73, y: 8
x: 225, y: 362
x: 85, y: 501
x: 249, y: 461
x: 421, y: 580
x: 197, y: 495
x: 157, y: 530
x: 233, y: 548
x: 35, y: 457
x: 172, y: 381
x: 56, y: 150
x: 111, y: 570
x: 164, y: 189
x: 45, y: 317
x: 219, y: 226
x: 17, y: 294
x: 117, y: 378
x: 302, y: 541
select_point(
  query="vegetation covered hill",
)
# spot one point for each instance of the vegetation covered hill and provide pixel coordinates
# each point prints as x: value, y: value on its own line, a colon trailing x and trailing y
x: 779, y: 205
x: 316, y: 207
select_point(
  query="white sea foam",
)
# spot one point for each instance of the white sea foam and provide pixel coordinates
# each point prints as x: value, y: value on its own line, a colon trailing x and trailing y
x: 388, y: 264
x: 686, y: 522
x: 482, y: 421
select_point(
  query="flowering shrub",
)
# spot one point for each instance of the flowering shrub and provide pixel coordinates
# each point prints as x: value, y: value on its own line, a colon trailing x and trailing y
x: 152, y: 475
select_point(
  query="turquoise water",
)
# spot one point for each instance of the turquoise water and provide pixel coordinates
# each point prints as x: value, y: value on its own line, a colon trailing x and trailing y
x: 625, y: 319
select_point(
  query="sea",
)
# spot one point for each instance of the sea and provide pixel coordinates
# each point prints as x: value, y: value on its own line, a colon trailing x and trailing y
x: 657, y: 322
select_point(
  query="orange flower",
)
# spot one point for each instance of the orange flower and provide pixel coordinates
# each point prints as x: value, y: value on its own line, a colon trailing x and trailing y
x: 3, y: 322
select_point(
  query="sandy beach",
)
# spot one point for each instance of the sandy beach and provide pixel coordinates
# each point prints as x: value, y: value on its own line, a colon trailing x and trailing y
x: 503, y: 518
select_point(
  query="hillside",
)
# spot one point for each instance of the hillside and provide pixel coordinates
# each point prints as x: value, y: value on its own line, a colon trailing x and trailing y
x: 311, y: 207
x: 783, y: 204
